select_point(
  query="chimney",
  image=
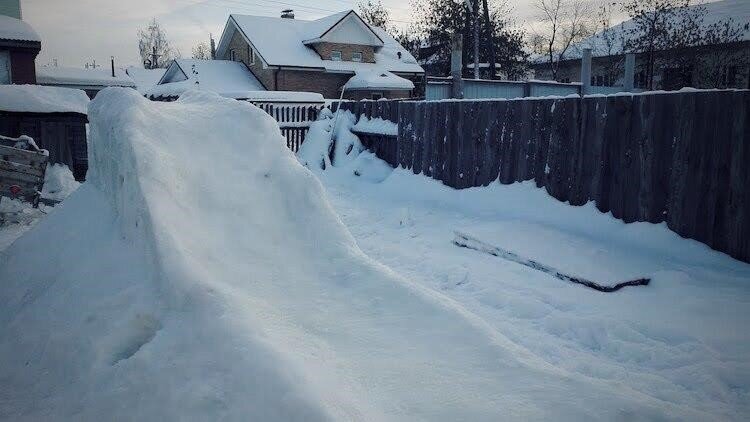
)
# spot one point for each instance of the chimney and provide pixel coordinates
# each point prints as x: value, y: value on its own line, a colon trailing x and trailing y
x: 287, y: 14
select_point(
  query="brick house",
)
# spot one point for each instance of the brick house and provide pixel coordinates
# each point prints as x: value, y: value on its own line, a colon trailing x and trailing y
x: 287, y: 54
x: 19, y: 46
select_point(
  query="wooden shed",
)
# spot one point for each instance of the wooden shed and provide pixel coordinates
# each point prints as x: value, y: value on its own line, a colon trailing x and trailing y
x: 54, y: 117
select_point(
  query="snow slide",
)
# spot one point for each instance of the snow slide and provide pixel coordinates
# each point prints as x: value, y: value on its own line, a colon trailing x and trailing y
x: 200, y: 274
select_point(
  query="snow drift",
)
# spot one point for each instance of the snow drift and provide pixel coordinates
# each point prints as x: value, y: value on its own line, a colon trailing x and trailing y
x: 201, y: 274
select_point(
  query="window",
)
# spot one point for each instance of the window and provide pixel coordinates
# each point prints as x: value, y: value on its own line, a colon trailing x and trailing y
x: 336, y: 56
x: 376, y: 95
x: 232, y: 55
x: 357, y: 57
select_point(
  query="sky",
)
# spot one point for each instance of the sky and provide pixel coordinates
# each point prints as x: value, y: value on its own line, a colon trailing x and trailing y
x: 76, y: 32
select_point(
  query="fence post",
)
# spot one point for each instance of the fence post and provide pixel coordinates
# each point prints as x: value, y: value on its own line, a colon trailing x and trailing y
x: 586, y: 72
x: 457, y: 45
x: 629, y: 80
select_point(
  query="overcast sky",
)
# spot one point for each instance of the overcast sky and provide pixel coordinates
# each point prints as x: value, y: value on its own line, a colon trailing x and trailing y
x: 78, y: 31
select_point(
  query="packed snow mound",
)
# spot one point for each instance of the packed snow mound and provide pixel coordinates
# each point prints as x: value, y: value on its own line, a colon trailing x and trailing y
x: 204, y: 276
x: 59, y: 182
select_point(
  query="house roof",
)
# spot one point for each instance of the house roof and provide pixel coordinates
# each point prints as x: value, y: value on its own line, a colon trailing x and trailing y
x: 17, y: 30
x: 144, y: 79
x: 284, y: 42
x: 226, y: 78
x: 78, y: 77
x: 612, y: 42
x: 373, y: 79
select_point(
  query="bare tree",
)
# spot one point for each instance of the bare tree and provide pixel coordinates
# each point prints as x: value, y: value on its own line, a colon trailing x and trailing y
x: 202, y: 51
x: 678, y: 26
x: 374, y: 13
x: 610, y: 43
x: 563, y: 23
x: 154, y: 47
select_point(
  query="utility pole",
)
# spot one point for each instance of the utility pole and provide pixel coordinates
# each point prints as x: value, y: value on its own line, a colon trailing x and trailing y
x: 474, y: 13
x: 490, y: 39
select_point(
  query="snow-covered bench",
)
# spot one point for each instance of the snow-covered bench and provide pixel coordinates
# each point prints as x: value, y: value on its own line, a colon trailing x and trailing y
x: 22, y: 168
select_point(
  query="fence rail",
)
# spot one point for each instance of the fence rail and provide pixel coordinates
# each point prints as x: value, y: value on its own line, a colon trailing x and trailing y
x: 294, y: 119
x: 681, y: 158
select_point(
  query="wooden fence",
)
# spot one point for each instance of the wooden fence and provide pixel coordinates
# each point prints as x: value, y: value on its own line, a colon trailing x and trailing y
x: 681, y: 158
x: 294, y: 120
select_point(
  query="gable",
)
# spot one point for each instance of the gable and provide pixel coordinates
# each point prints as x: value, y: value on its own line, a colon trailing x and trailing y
x: 351, y: 30
x: 173, y: 74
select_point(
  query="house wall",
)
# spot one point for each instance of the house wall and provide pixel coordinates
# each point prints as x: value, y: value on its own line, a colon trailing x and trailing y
x: 245, y: 54
x: 352, y: 31
x: 327, y: 84
x: 11, y: 8
x: 347, y: 50
x: 22, y: 64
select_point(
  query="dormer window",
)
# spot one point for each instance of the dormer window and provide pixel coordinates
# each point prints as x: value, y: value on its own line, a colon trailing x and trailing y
x: 357, y: 57
x: 336, y: 56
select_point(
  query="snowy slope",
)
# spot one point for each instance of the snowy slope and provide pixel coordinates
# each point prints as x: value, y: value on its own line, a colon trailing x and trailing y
x: 199, y: 282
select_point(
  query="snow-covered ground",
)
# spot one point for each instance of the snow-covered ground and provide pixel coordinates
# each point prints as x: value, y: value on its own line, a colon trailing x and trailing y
x: 681, y: 341
x: 172, y: 287
x: 17, y: 217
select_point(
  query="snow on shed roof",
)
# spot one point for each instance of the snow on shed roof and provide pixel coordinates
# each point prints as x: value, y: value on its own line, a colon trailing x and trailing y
x: 73, y: 76
x: 373, y: 79
x: 42, y: 99
x: 144, y: 79
x: 226, y: 78
x: 16, y: 29
x: 281, y: 42
x: 737, y: 10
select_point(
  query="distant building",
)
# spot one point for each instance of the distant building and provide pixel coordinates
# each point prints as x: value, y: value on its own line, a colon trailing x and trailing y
x: 607, y: 63
x: 19, y: 46
x: 286, y: 54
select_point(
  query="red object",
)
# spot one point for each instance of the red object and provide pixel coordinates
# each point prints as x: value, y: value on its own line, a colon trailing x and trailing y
x: 15, y: 190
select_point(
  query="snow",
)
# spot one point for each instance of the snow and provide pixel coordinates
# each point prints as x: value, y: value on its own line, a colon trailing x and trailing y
x: 194, y: 290
x: 80, y: 77
x: 682, y: 341
x: 16, y: 217
x: 226, y: 78
x: 376, y: 125
x: 42, y: 99
x: 280, y: 42
x: 59, y: 182
x: 16, y: 29
x: 375, y: 79
x: 144, y: 79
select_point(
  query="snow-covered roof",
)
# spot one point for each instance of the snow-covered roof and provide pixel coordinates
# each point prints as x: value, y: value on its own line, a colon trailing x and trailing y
x: 16, y: 29
x: 283, y: 42
x: 613, y: 41
x: 78, y: 77
x: 144, y: 79
x: 373, y: 79
x: 226, y: 78
x: 42, y: 99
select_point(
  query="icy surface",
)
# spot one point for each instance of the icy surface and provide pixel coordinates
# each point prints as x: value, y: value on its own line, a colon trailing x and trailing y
x: 16, y: 29
x: 191, y: 290
x: 42, y: 99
